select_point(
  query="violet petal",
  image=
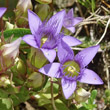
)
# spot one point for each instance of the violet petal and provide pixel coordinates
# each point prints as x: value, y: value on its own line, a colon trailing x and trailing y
x: 68, y: 87
x: 30, y: 39
x: 85, y: 56
x: 77, y: 20
x: 72, y: 29
x: 2, y: 11
x: 50, y: 54
x: 34, y: 22
x: 51, y: 70
x: 55, y: 22
x: 70, y: 13
x: 90, y: 77
x: 50, y: 43
x: 71, y: 41
x: 64, y: 52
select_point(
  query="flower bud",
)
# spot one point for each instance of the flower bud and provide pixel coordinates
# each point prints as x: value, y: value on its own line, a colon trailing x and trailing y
x: 44, y: 1
x: 81, y: 95
x: 43, y: 11
x: 24, y: 5
x: 36, y: 80
x: 9, y: 25
x: 11, y: 50
x: 8, y: 54
x: 4, y: 81
x: 37, y: 58
x: 21, y: 67
x: 21, y: 12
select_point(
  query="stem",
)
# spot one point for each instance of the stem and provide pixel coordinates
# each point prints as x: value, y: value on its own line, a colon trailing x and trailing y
x: 104, y: 32
x: 52, y: 98
x: 105, y: 59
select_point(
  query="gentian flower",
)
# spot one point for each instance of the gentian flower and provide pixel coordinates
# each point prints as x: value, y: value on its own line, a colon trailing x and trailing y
x: 2, y: 11
x: 45, y: 34
x: 72, y: 68
x: 70, y: 21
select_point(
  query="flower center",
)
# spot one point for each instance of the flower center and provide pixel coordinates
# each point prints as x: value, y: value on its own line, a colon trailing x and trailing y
x: 43, y: 40
x: 71, y: 68
x: 68, y: 22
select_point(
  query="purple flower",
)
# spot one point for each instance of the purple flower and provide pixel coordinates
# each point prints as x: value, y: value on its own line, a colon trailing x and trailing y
x: 45, y: 34
x: 70, y: 21
x: 2, y: 11
x: 72, y: 68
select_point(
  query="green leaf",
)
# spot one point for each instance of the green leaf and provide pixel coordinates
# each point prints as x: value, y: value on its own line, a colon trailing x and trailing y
x: 23, y: 94
x: 15, y: 100
x: 55, y: 87
x: 37, y: 58
x: 43, y: 11
x: 90, y: 101
x: 3, y: 94
x: 93, y: 5
x: 43, y: 100
x: 86, y: 41
x: 107, y: 92
x: 94, y: 94
x: 36, y: 84
x: 5, y: 104
x: 10, y: 89
x: 18, y: 32
x: 92, y: 97
x: 73, y: 107
x: 59, y: 105
x: 84, y: 104
x: 82, y: 108
x: 20, y: 97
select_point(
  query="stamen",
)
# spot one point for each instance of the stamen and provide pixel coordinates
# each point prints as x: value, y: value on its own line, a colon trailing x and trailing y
x: 44, y: 40
x: 71, y: 69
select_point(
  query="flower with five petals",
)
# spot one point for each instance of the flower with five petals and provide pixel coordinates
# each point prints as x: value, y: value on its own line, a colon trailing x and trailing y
x: 72, y: 68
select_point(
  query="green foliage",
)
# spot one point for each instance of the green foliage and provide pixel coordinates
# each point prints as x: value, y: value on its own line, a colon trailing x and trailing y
x: 87, y: 42
x: 38, y: 84
x: 3, y: 94
x: 91, y: 101
x: 43, y: 11
x: 44, y: 100
x: 37, y: 58
x: 93, y: 5
x: 73, y: 107
x: 89, y: 4
x: 18, y: 32
x: 107, y: 96
x: 5, y: 104
x: 20, y: 97
x: 60, y: 105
